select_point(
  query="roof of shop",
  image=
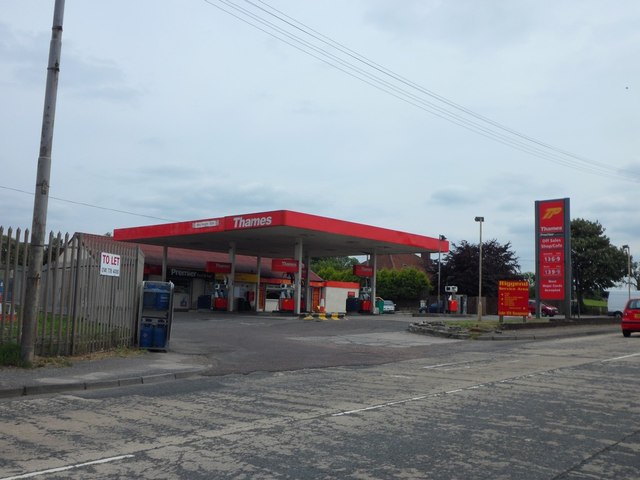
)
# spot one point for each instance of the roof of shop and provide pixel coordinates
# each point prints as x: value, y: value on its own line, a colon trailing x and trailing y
x: 273, y: 234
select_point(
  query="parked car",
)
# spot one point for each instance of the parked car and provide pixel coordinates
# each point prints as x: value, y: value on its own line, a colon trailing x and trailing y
x: 545, y: 310
x: 433, y: 308
x: 631, y: 317
x: 388, y: 307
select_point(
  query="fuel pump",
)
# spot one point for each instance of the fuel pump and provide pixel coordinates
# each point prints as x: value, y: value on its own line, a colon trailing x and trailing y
x: 452, y: 301
x: 220, y: 297
x: 286, y: 302
x: 365, y: 299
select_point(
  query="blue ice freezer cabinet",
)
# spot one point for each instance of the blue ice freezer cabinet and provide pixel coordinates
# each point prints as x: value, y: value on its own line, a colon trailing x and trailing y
x: 155, y: 315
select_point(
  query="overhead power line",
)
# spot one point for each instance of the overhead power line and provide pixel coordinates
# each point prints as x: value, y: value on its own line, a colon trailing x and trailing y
x: 271, y: 21
x: 90, y: 205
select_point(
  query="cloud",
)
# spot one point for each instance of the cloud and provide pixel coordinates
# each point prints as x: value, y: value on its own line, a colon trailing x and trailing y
x: 453, y: 196
x: 26, y: 62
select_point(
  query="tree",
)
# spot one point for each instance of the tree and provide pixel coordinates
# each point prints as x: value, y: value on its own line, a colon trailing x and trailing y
x: 530, y: 277
x: 335, y: 268
x: 53, y: 248
x: 596, y: 264
x: 406, y: 284
x: 461, y: 267
x: 8, y: 248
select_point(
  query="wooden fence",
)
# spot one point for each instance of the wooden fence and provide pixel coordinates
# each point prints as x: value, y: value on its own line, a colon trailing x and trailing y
x: 80, y: 308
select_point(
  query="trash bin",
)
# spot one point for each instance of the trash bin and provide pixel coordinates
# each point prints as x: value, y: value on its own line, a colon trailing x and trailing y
x: 159, y: 335
x: 146, y: 335
x: 156, y: 313
x: 205, y: 302
x: 380, y: 305
x: 353, y: 304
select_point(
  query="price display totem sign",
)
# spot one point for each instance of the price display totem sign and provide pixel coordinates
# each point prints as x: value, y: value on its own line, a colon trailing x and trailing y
x: 553, y: 252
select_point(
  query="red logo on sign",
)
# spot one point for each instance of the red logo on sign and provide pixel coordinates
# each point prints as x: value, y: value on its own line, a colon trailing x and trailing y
x: 552, y: 216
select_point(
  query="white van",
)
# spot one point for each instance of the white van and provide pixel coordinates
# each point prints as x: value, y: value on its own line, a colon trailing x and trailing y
x: 618, y: 299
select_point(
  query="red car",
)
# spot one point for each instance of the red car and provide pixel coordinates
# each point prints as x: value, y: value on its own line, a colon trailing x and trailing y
x: 631, y: 317
x: 545, y: 310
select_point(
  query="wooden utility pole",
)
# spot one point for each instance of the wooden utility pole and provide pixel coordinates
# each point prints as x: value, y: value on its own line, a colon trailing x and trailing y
x: 41, y: 200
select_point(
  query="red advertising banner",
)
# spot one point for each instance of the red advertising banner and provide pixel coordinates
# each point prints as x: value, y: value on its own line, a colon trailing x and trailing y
x: 286, y: 265
x: 513, y: 298
x: 363, y: 270
x: 218, y: 267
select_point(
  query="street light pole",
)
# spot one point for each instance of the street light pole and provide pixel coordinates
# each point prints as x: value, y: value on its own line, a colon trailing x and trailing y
x: 440, y: 238
x: 625, y: 248
x: 480, y: 220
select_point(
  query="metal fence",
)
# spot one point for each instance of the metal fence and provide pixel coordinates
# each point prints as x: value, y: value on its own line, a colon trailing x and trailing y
x: 81, y: 310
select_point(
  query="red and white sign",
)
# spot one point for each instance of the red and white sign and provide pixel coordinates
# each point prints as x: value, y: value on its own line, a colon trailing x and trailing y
x: 553, y: 238
x: 218, y: 267
x: 551, y: 214
x: 286, y: 265
x: 363, y: 270
x: 109, y: 264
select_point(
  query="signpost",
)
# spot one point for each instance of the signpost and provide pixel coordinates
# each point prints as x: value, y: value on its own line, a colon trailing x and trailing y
x: 553, y: 252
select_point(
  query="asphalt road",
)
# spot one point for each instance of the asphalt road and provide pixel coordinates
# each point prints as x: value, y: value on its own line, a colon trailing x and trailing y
x: 557, y: 409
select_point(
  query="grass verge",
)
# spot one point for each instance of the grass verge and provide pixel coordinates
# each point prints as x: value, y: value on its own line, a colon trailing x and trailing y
x: 10, y: 357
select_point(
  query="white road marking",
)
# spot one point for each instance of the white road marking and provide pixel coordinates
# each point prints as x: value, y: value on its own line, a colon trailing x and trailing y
x: 375, y: 407
x: 621, y: 358
x: 69, y: 467
x: 444, y: 365
x: 471, y: 387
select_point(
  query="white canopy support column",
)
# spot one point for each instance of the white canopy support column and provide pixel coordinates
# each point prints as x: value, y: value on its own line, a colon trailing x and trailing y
x: 259, y: 273
x: 165, y: 260
x: 232, y: 275
x: 307, y: 283
x: 374, y: 294
x: 298, y: 276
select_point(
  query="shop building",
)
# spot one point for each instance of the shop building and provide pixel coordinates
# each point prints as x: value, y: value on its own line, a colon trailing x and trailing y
x: 201, y: 280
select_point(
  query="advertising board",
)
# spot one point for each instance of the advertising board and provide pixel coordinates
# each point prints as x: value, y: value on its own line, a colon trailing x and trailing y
x: 513, y: 298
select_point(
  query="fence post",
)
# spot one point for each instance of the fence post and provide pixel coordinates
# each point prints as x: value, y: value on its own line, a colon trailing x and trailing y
x: 76, y: 294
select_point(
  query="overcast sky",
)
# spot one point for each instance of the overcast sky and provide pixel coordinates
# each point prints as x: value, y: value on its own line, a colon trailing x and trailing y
x: 174, y: 110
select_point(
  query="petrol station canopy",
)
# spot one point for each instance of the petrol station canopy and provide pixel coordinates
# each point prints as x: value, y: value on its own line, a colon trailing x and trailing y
x: 274, y: 234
